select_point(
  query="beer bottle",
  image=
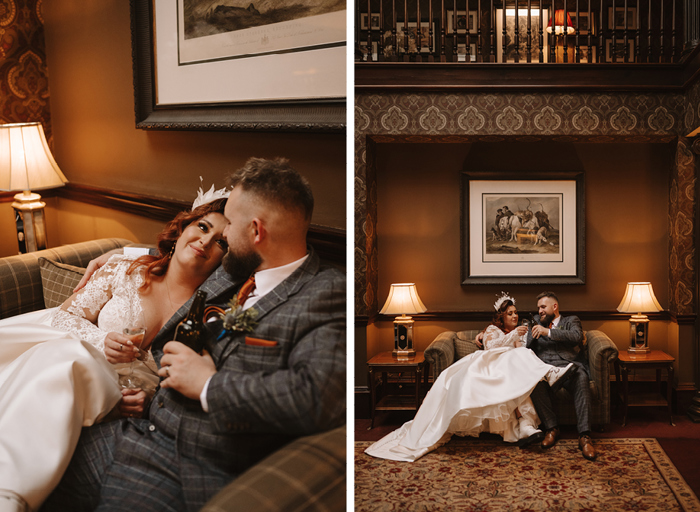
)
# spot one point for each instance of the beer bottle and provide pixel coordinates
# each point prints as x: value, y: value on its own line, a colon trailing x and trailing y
x: 191, y: 330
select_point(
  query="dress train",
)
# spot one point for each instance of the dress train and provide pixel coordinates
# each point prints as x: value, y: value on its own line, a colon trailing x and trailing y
x: 478, y: 393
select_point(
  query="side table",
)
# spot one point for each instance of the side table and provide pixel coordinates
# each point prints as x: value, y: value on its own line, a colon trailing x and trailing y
x: 657, y: 360
x: 385, y: 363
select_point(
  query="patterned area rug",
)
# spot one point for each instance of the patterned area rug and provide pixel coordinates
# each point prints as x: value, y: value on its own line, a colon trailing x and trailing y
x: 483, y: 475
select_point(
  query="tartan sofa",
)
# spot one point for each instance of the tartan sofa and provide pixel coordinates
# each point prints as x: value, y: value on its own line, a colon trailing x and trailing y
x: 308, y: 474
x: 450, y: 346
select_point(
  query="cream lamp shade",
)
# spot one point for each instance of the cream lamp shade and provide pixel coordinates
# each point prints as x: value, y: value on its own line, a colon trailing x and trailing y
x: 26, y: 164
x: 403, y: 300
x: 639, y: 298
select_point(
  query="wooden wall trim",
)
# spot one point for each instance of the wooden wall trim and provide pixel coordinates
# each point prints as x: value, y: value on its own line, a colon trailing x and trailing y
x: 486, y: 316
x: 329, y: 243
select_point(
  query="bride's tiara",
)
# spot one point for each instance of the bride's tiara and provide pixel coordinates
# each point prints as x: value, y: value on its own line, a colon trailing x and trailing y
x: 209, y: 196
x: 504, y: 297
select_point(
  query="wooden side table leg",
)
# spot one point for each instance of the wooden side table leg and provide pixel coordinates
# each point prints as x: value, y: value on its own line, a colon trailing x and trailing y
x: 372, y: 397
x: 669, y: 393
x: 625, y: 395
x: 419, y: 380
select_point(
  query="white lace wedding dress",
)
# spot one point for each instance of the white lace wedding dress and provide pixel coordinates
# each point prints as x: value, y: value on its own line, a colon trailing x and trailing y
x: 54, y: 379
x: 478, y: 393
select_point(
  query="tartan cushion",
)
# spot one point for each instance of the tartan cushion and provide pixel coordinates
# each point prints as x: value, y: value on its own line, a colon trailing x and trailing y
x: 464, y: 344
x: 58, y: 280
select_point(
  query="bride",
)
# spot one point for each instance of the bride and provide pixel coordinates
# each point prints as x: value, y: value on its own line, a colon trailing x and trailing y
x: 486, y: 391
x: 55, y: 371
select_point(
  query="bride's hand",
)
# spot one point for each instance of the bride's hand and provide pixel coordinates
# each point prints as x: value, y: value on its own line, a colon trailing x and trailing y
x: 521, y: 330
x: 119, y: 348
x: 133, y: 403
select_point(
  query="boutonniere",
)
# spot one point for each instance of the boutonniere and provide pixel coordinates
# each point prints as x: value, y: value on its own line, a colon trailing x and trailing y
x: 235, y: 319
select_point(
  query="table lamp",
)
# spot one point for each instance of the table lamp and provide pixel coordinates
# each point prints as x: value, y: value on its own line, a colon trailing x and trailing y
x: 563, y: 26
x: 639, y: 298
x: 26, y: 163
x: 403, y: 300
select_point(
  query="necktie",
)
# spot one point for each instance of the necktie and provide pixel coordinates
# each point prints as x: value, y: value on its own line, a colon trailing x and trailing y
x: 246, y: 290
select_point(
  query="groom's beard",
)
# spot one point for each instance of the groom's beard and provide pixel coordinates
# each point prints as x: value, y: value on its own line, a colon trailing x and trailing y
x: 240, y: 266
x: 546, y: 320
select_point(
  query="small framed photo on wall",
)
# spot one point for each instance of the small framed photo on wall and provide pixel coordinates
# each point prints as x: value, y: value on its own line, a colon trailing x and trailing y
x: 463, y: 22
x: 584, y: 24
x: 619, y: 18
x: 617, y: 53
x: 375, y: 21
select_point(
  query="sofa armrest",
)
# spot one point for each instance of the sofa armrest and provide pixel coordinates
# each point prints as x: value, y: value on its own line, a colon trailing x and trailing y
x: 441, y: 352
x: 308, y: 474
x: 601, y: 351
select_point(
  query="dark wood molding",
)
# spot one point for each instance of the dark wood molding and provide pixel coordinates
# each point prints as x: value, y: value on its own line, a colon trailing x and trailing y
x: 155, y: 208
x: 486, y: 316
x: 330, y: 243
x: 453, y: 76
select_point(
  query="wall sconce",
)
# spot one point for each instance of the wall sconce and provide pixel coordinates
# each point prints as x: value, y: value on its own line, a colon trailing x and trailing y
x: 402, y: 300
x: 26, y: 163
x: 639, y: 297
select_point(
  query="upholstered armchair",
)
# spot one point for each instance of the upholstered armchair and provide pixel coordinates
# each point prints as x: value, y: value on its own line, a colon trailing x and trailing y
x: 449, y: 347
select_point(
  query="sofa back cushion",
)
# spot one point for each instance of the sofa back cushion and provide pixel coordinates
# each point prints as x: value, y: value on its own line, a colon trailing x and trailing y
x: 58, y: 281
x: 464, y: 343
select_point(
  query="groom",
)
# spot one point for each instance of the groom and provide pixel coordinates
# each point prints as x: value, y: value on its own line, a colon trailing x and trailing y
x: 558, y: 341
x: 215, y: 415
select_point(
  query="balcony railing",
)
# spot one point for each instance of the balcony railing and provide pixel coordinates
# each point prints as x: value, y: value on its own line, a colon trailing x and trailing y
x: 524, y: 31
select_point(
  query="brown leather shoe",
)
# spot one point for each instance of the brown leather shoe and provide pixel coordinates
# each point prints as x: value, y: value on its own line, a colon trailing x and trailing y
x: 585, y: 443
x: 550, y: 438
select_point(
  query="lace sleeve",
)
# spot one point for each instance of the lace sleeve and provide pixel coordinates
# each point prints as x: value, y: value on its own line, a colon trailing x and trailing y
x: 495, y: 338
x: 78, y: 315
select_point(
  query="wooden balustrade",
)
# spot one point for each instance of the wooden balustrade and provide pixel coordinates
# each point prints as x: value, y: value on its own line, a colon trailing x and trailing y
x: 466, y: 31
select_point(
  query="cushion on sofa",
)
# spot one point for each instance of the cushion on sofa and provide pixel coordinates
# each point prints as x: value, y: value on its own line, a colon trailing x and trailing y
x: 58, y: 280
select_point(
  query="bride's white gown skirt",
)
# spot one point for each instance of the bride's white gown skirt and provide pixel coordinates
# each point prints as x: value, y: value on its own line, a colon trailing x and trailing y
x: 478, y: 393
x: 51, y: 385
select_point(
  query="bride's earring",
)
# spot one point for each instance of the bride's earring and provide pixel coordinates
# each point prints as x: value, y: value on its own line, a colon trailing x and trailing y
x: 172, y: 251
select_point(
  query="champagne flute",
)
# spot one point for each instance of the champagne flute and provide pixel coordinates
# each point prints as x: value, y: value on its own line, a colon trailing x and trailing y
x: 136, y: 331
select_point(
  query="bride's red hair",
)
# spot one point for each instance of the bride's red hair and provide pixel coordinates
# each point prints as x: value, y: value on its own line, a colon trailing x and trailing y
x: 498, y: 318
x: 166, y: 240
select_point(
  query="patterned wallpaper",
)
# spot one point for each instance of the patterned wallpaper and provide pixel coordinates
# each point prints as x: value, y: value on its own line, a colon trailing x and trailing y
x: 24, y: 86
x: 454, y: 117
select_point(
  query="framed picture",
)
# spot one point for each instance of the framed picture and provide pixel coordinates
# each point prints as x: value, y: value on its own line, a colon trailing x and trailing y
x: 617, y: 53
x: 585, y: 57
x: 585, y: 25
x: 462, y: 52
x: 375, y: 21
x: 462, y: 22
x: 294, y: 86
x: 365, y: 53
x: 522, y: 31
x: 413, y: 37
x: 522, y: 231
x: 619, y: 18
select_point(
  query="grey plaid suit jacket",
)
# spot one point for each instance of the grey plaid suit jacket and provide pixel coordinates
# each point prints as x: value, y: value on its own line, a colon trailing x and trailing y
x: 568, y: 338
x: 262, y: 397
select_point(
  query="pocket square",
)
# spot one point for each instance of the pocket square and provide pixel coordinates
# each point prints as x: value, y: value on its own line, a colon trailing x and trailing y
x: 257, y: 342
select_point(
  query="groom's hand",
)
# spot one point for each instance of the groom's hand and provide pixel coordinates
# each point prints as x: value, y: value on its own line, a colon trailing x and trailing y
x: 184, y: 370
x: 538, y: 331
